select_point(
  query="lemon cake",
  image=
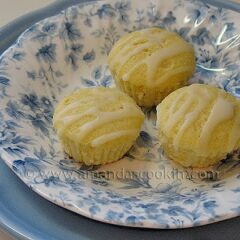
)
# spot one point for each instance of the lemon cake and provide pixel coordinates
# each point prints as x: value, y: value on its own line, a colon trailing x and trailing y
x: 150, y: 63
x: 97, y: 125
x: 199, y: 125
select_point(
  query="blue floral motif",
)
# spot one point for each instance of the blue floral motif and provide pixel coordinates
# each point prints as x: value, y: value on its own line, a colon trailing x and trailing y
x: 173, y: 210
x: 27, y: 166
x: 73, y: 56
x: 18, y: 56
x: 4, y: 83
x: 198, y: 13
x: 12, y: 109
x: 32, y: 75
x: 210, y: 206
x: 183, y: 32
x: 207, y: 64
x: 49, y: 28
x: 201, y: 37
x: 89, y: 56
x: 50, y: 181
x: 70, y: 31
x: 10, y: 142
x: 140, y: 17
x: 47, y: 53
x: 136, y: 181
x: 99, y: 78
x: 122, y: 9
x: 69, y: 51
x: 106, y: 10
x: 94, y: 210
x: 111, y: 36
x: 40, y: 111
x: 169, y: 19
x: 134, y: 220
x: 144, y: 140
x: 153, y: 14
x: 114, y: 216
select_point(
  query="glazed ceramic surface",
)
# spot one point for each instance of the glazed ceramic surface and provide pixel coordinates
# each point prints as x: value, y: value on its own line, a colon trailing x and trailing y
x: 69, y: 51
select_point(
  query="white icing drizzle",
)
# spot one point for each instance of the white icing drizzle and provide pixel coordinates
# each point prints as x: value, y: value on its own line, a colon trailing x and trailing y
x: 156, y: 37
x: 111, y: 136
x: 175, y: 115
x: 104, y: 118
x: 222, y: 110
x: 203, y: 99
x: 134, y: 50
x: 163, y: 54
x: 173, y: 72
x: 71, y: 114
x: 152, y: 61
x: 69, y: 120
x: 123, y: 44
x: 68, y: 108
x: 81, y: 102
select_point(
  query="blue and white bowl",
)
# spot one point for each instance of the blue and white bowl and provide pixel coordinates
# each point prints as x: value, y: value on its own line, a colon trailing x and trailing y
x: 69, y: 51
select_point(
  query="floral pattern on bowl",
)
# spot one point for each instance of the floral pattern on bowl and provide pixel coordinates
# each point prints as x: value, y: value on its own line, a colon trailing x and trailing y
x: 69, y: 51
